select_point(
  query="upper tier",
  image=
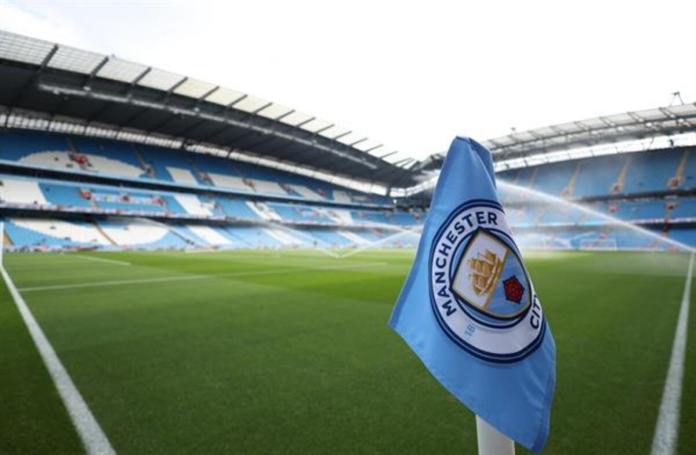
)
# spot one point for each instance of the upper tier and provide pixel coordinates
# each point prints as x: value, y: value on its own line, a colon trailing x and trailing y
x: 128, y: 161
x: 613, y: 175
x: 41, y: 194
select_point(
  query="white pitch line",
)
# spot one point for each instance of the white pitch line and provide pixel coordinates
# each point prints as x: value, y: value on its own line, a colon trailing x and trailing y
x: 196, y: 277
x: 96, y: 259
x: 91, y: 434
x: 667, y: 427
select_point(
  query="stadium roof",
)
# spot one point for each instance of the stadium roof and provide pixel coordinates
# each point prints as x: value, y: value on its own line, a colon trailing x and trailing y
x: 50, y: 86
x: 637, y: 131
x: 611, y: 129
x: 54, y: 84
x: 530, y: 147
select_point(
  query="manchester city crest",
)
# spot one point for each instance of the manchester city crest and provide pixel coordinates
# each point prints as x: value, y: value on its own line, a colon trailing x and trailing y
x: 481, y: 292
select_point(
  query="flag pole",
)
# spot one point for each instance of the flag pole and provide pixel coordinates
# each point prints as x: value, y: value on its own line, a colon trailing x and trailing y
x: 492, y: 441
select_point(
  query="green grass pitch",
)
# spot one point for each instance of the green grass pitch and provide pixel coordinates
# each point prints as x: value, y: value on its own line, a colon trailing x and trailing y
x: 252, y: 352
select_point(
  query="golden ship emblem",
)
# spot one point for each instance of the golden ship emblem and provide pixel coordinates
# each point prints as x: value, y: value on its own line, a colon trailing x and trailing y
x: 485, y: 272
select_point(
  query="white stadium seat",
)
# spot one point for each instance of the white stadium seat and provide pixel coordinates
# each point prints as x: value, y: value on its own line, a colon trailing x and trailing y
x: 306, y: 192
x: 180, y: 175
x: 22, y: 192
x: 81, y: 233
x: 210, y: 235
x: 226, y: 181
x: 192, y: 204
x: 135, y: 232
x: 264, y: 186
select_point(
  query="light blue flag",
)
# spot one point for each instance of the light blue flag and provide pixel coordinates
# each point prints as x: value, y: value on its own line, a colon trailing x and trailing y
x: 469, y: 309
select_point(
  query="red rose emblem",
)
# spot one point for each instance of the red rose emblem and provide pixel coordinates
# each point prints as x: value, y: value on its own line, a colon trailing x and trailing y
x: 513, y: 289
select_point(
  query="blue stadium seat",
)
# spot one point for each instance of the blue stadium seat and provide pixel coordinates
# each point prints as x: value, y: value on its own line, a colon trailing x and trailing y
x: 65, y: 195
x: 651, y: 171
x: 15, y: 145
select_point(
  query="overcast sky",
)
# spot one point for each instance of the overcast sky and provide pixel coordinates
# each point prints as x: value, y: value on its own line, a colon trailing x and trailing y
x: 410, y: 74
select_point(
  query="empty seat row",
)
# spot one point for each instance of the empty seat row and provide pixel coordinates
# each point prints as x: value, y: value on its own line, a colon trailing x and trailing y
x: 145, y: 162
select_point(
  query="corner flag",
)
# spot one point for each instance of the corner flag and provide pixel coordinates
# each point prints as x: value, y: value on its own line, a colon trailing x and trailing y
x: 469, y: 309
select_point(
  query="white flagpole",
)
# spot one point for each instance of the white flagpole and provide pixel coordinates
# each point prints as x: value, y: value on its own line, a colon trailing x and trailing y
x: 492, y: 441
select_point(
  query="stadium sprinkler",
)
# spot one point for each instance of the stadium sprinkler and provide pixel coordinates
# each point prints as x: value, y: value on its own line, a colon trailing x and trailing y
x: 613, y: 221
x: 294, y: 232
x: 359, y: 247
x: 380, y: 242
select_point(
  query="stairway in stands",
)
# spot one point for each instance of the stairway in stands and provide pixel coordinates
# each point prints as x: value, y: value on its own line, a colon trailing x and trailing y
x: 104, y: 234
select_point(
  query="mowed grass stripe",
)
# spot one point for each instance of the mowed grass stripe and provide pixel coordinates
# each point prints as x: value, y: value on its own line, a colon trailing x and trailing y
x: 199, y: 277
x: 304, y: 363
x: 55, y: 269
x: 47, y: 269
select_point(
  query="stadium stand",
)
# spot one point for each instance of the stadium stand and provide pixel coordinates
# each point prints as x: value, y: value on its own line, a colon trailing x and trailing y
x: 115, y: 208
x: 125, y: 163
x: 653, y: 172
x: 41, y: 151
x: 648, y: 188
